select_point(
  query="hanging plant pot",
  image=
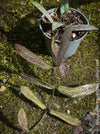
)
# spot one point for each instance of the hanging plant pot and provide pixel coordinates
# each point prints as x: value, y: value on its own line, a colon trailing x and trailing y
x: 75, y: 41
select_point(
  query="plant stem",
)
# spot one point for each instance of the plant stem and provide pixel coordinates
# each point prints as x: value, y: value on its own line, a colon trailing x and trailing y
x: 34, y: 128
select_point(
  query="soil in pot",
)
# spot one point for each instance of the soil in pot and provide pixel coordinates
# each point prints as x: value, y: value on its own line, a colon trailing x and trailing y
x: 72, y: 17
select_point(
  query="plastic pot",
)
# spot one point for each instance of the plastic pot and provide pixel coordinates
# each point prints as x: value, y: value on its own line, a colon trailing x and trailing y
x: 73, y: 44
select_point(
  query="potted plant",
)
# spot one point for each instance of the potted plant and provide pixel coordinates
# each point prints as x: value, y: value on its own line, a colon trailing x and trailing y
x: 58, y: 20
x: 72, y: 92
x: 59, y: 63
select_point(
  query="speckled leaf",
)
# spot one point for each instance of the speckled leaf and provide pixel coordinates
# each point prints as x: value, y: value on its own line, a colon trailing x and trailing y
x: 31, y: 57
x: 65, y: 40
x: 63, y: 69
x: 37, y: 81
x: 83, y: 28
x: 41, y: 8
x: 80, y: 91
x: 54, y: 46
x: 22, y: 119
x: 65, y: 117
x: 29, y: 95
x: 64, y: 6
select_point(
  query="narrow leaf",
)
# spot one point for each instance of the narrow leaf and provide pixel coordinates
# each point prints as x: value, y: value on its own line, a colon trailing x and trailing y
x: 37, y: 81
x: 67, y: 118
x: 65, y: 40
x: 80, y: 91
x: 64, y: 6
x: 54, y: 46
x: 22, y: 119
x: 56, y: 25
x: 31, y: 57
x: 41, y: 8
x: 83, y: 28
x: 63, y: 69
x: 29, y: 95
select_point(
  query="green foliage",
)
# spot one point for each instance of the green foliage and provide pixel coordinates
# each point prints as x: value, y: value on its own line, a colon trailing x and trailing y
x: 37, y: 5
x: 55, y: 25
x: 29, y: 95
x: 64, y: 7
x: 83, y: 28
x: 80, y: 91
x: 81, y: 66
x: 67, y: 118
x: 37, y: 81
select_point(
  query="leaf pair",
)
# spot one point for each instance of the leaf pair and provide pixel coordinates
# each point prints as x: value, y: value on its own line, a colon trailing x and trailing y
x: 23, y: 123
x: 73, y: 92
x: 22, y: 119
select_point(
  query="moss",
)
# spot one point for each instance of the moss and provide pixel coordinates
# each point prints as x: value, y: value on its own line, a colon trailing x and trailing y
x: 19, y: 24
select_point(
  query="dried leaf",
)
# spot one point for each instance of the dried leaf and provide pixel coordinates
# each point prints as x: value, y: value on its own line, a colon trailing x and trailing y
x: 80, y: 91
x: 29, y: 95
x: 65, y: 117
x: 31, y: 57
x: 2, y: 89
x: 83, y: 27
x: 37, y: 81
x: 65, y: 40
x: 41, y: 8
x: 22, y: 119
x: 63, y: 69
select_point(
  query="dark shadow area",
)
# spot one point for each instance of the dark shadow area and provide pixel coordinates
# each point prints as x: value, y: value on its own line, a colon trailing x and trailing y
x: 77, y: 3
x: 6, y: 121
x: 27, y: 34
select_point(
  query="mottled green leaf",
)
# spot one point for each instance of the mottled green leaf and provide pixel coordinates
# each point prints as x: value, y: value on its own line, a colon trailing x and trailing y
x: 29, y: 95
x: 83, y: 27
x: 31, y: 57
x: 80, y: 91
x: 22, y: 119
x: 65, y: 40
x: 37, y: 81
x: 41, y: 8
x: 64, y: 6
x: 65, y: 117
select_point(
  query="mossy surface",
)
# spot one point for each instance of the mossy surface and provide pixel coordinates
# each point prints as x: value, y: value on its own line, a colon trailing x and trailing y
x: 19, y: 23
